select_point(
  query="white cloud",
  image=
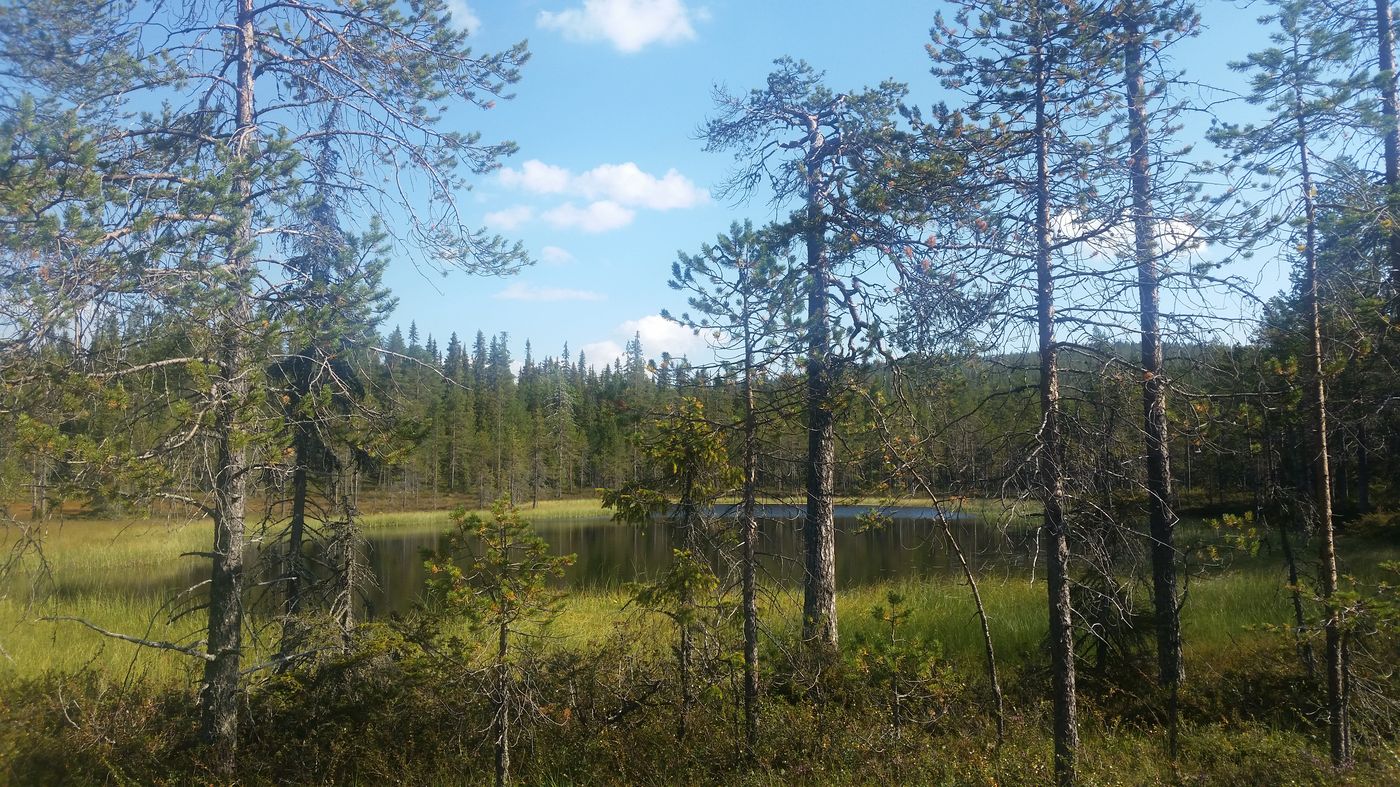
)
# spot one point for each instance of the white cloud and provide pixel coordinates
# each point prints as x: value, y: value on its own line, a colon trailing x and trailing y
x: 520, y: 291
x: 660, y: 335
x: 555, y: 255
x: 626, y: 184
x: 629, y: 25
x: 463, y: 17
x: 598, y: 216
x: 1118, y: 240
x: 597, y: 354
x: 538, y: 177
x: 510, y: 218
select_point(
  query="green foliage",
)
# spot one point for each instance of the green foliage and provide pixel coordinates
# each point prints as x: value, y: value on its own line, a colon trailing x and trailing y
x: 688, y: 459
x: 495, y: 571
x: 1237, y: 533
x: 675, y: 593
x: 1379, y: 525
x: 908, y: 674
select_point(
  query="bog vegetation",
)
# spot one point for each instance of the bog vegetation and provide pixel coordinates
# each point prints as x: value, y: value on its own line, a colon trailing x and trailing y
x: 1008, y: 312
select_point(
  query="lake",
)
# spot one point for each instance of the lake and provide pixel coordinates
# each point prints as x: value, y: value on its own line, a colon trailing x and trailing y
x: 909, y: 544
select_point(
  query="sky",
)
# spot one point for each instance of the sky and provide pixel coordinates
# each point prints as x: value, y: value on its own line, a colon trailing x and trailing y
x: 611, y: 181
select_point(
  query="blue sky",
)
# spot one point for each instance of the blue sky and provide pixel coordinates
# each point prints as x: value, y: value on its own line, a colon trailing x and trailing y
x: 610, y: 181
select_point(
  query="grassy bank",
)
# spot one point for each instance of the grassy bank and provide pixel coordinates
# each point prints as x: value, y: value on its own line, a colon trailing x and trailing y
x: 116, y: 574
x: 545, y: 511
x: 400, y: 711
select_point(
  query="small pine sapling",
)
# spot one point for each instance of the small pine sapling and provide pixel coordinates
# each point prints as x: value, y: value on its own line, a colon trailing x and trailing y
x: 496, y: 573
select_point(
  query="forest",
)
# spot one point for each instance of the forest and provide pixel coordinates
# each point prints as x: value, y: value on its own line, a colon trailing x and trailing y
x: 1003, y: 462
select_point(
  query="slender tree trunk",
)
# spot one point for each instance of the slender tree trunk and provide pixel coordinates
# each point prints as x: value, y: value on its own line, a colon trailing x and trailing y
x: 536, y: 471
x: 1363, y: 470
x: 219, y: 705
x: 1322, y: 476
x: 1300, y: 621
x: 39, y: 508
x: 1390, y: 116
x: 218, y: 725
x: 685, y: 651
x: 452, y: 454
x: 296, y: 531
x: 349, y: 569
x: 563, y: 466
x: 988, y: 648
x: 1051, y: 452
x: 819, y: 527
x: 502, y: 706
x: 1341, y: 472
x: 749, y: 567
x: 1162, y: 519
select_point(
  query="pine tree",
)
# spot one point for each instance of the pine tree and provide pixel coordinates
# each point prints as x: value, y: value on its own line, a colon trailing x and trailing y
x: 740, y: 289
x: 502, y: 590
x: 206, y: 183
x: 1037, y: 79
x: 1300, y: 81
x: 811, y: 145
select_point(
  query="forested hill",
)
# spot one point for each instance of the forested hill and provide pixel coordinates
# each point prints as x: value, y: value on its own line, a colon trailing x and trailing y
x: 474, y: 422
x: 1036, y: 272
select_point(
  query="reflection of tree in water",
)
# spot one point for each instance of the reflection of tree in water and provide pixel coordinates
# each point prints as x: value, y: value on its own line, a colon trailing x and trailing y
x: 611, y: 555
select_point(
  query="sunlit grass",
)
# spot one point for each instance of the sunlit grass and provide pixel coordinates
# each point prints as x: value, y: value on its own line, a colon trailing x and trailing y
x: 116, y: 574
x: 542, y: 512
x: 1223, y: 613
x: 545, y: 511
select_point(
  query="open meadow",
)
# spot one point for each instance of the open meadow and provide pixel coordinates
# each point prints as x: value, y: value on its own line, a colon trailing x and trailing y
x: 120, y: 575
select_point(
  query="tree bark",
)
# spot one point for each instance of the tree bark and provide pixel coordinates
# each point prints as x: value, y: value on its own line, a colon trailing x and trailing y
x: 685, y: 651
x: 1390, y: 116
x: 502, y: 706
x: 39, y: 508
x: 218, y: 726
x: 1300, y: 621
x: 1161, y: 517
x: 1337, y: 726
x: 1050, y: 452
x: 296, y: 531
x: 749, y: 568
x: 819, y: 628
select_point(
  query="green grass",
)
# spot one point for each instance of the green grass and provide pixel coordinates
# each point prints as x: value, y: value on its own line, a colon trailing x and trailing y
x: 115, y: 574
x: 591, y: 508
x: 112, y: 572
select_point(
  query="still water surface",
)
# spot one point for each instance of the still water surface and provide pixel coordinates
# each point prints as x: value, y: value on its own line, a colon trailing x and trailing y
x: 909, y: 544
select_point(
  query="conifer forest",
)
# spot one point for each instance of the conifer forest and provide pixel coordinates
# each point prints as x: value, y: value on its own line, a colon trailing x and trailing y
x: 1030, y: 417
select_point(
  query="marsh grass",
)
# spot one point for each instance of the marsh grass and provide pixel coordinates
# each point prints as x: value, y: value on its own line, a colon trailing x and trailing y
x: 546, y: 511
x: 116, y: 574
x: 1247, y: 704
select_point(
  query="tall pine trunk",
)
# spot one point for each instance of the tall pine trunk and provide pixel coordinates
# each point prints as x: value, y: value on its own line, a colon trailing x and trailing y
x: 1337, y: 726
x: 819, y: 527
x: 1051, y: 452
x: 218, y: 726
x: 1161, y: 517
x: 749, y: 567
x: 294, y: 569
x: 1390, y: 116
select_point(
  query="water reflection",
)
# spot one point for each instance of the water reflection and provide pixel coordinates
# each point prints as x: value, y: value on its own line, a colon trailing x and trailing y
x: 908, y: 543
